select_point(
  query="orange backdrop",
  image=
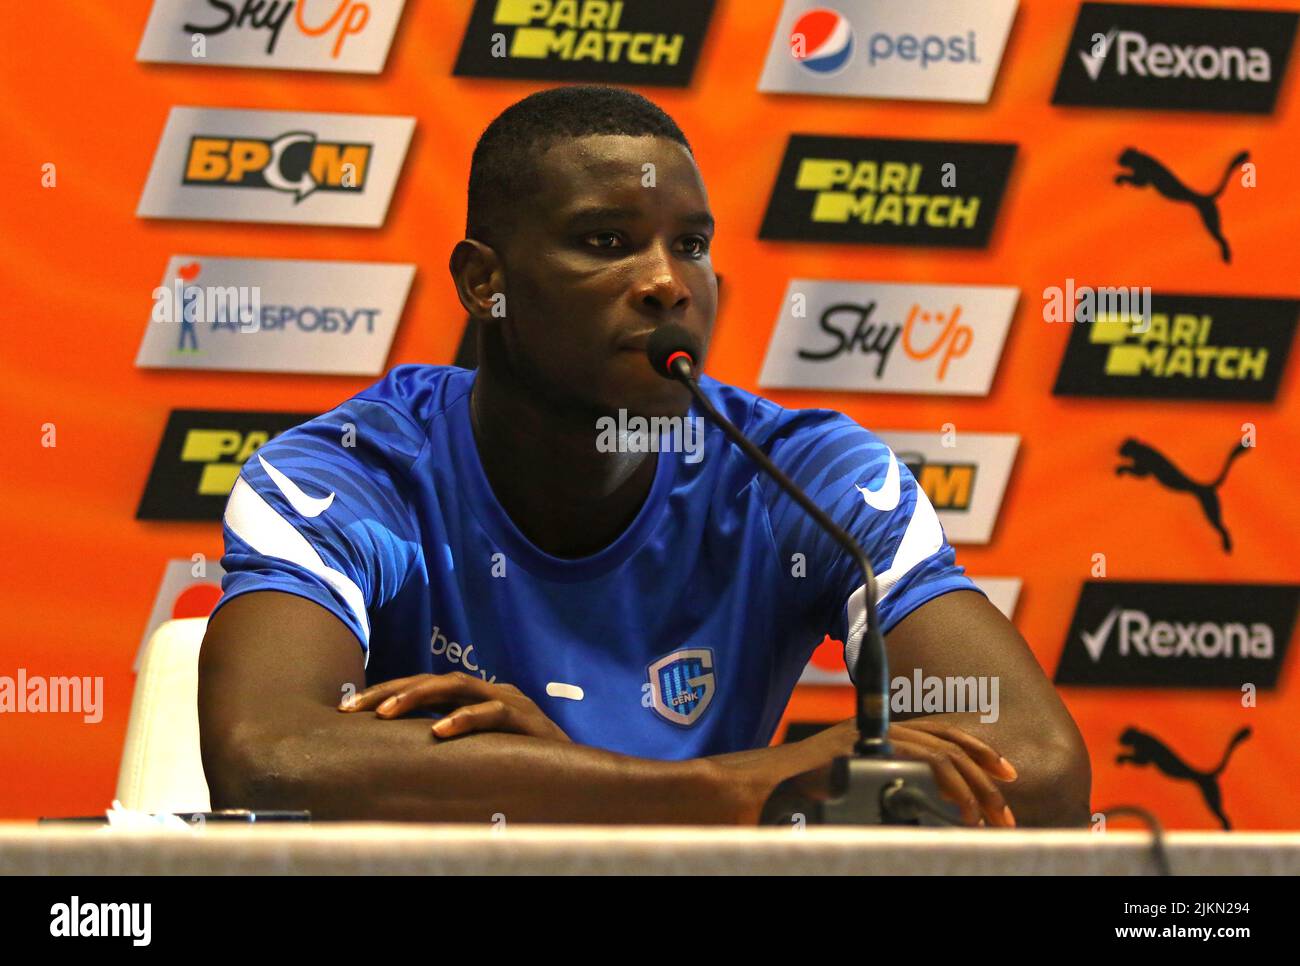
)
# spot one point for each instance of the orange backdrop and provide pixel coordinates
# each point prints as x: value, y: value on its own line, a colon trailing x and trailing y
x: 78, y: 573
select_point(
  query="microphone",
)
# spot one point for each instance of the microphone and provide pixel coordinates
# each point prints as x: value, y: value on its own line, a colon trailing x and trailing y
x: 872, y: 787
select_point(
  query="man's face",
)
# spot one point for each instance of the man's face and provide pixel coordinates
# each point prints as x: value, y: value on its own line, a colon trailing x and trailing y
x: 614, y: 244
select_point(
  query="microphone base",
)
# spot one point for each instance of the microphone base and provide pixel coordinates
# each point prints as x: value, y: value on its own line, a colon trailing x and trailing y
x: 857, y: 791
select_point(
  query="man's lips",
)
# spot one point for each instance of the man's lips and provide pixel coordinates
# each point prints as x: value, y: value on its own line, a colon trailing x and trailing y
x: 635, y: 343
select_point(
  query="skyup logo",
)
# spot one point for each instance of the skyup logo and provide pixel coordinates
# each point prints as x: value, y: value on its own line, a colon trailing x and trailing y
x: 200, y: 457
x: 276, y: 166
x: 1191, y: 58
x: 333, y: 35
x: 1179, y: 635
x: 620, y: 41
x: 1192, y: 347
x: 888, y: 337
x: 880, y: 191
x: 296, y: 163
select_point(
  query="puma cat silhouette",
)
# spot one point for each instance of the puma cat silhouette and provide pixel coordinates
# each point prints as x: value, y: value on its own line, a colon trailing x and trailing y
x: 1147, y: 461
x: 1147, y: 749
x: 1145, y: 170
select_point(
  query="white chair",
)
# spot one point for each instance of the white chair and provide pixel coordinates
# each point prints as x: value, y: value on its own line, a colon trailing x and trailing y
x: 161, y: 768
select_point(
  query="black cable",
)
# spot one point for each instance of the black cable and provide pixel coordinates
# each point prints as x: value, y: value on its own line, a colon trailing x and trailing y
x: 1159, y: 848
x: 871, y: 671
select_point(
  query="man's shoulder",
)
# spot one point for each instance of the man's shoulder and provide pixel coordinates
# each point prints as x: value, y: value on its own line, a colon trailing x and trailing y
x: 388, y: 422
x: 417, y: 394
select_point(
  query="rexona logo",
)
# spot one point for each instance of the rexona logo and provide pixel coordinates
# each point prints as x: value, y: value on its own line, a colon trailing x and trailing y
x: 1179, y: 635
x: 1189, y: 58
x: 889, y: 337
x: 337, y: 35
x: 887, y: 192
x: 326, y: 317
x: 964, y: 475
x: 619, y: 41
x: 1192, y: 347
x: 276, y: 166
x: 935, y: 50
x: 199, y: 460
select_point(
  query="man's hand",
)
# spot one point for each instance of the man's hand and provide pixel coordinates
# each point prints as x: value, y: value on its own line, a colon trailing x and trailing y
x: 964, y: 766
x: 472, y: 704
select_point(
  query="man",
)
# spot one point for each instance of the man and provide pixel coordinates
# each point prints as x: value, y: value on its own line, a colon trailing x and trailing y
x: 610, y: 634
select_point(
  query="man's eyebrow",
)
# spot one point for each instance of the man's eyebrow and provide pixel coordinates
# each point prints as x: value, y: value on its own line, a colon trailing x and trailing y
x: 593, y: 213
x: 600, y: 213
x: 701, y: 218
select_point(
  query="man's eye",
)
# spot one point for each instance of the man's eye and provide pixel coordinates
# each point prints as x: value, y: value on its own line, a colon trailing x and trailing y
x: 604, y: 239
x: 696, y: 245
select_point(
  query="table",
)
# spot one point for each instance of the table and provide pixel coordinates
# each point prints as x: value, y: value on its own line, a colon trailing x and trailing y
x: 395, y: 849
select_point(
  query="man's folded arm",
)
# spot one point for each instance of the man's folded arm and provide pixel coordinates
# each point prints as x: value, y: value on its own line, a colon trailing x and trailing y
x: 272, y: 671
x: 963, y: 637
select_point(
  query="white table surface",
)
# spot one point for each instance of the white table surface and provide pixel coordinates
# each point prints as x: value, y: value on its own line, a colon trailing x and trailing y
x: 388, y: 849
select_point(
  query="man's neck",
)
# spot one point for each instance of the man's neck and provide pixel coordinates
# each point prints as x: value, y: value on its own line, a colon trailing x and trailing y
x: 566, y: 497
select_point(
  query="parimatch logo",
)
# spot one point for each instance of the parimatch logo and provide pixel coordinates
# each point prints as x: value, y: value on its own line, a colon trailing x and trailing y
x: 606, y: 41
x: 199, y: 460
x: 1191, y: 347
x: 888, y: 192
x: 1187, y: 58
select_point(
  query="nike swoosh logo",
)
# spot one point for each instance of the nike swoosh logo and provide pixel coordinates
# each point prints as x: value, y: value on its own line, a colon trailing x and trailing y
x: 1095, y: 641
x: 307, y: 506
x: 1093, y: 64
x: 885, y: 498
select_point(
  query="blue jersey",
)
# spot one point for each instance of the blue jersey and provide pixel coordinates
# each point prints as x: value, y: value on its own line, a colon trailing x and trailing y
x: 684, y: 637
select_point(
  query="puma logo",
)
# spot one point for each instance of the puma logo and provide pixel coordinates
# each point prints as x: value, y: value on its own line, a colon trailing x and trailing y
x: 1145, y: 170
x: 1147, y: 749
x: 1147, y: 461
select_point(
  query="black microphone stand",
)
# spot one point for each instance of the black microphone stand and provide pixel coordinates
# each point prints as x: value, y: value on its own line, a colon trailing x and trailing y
x: 871, y: 787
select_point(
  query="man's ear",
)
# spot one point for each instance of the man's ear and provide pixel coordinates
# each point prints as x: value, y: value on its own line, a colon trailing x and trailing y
x: 479, y: 277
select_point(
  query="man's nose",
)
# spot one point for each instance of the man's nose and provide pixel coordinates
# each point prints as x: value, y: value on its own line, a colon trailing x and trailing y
x: 660, y: 287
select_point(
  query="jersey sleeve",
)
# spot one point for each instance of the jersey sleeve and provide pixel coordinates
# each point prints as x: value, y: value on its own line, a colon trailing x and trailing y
x: 324, y: 511
x: 862, y: 485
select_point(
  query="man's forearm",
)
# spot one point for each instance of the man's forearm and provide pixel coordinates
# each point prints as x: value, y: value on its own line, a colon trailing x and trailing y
x: 1054, y: 776
x: 361, y: 767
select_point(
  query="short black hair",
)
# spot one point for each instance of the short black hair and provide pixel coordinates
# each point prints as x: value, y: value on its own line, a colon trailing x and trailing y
x: 504, y: 158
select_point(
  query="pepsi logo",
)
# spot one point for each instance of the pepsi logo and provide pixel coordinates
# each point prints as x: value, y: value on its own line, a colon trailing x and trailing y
x: 822, y: 41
